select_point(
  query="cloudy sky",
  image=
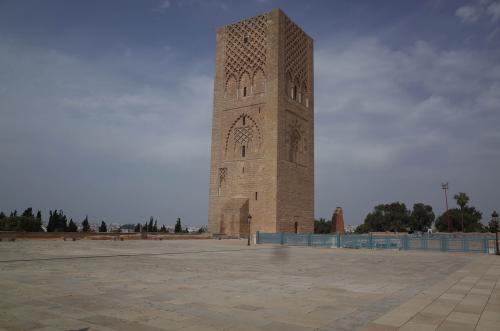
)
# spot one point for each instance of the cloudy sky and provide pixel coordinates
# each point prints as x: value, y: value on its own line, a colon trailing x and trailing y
x: 105, y: 106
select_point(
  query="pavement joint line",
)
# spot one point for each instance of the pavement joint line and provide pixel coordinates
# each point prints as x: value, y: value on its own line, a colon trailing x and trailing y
x: 127, y: 255
x: 444, y: 320
x: 477, y: 281
x: 484, y: 307
x: 437, y: 298
x: 453, y: 284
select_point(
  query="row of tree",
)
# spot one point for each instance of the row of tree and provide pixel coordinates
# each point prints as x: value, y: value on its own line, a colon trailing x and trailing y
x: 396, y: 216
x: 27, y: 221
x: 58, y: 222
x: 152, y: 226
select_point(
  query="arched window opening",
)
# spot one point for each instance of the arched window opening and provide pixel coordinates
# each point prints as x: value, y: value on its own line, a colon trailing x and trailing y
x: 231, y: 87
x: 244, y: 83
x: 259, y: 82
x: 296, y: 227
x: 303, y: 98
x: 294, y: 92
x: 243, y: 151
x: 289, y: 85
x: 244, y: 117
x: 294, y: 146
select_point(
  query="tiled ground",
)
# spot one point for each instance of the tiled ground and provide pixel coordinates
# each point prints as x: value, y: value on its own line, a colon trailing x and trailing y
x: 224, y: 285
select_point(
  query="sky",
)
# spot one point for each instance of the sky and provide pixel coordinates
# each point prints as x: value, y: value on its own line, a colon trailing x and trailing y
x: 105, y: 106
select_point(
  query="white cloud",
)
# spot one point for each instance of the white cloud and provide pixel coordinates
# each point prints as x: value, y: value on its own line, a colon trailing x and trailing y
x: 472, y: 13
x: 494, y: 11
x: 162, y: 6
x: 416, y: 115
x: 468, y: 14
x: 97, y: 106
x: 376, y: 105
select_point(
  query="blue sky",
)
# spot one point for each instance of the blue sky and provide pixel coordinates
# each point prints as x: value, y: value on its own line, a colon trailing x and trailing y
x: 105, y: 106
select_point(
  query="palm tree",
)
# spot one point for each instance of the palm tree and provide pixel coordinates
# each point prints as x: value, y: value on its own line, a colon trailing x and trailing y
x: 462, y: 200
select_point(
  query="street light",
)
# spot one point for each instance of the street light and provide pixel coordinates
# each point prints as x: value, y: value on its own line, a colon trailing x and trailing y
x: 444, y: 186
x: 494, y: 227
x: 249, y: 219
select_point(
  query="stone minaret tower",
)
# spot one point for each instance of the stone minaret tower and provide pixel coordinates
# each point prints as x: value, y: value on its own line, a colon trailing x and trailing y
x: 263, y: 128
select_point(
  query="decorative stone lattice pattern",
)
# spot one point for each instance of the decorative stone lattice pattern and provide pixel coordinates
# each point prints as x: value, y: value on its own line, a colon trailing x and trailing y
x: 243, y: 134
x: 222, y: 175
x: 245, y: 49
x: 296, y: 45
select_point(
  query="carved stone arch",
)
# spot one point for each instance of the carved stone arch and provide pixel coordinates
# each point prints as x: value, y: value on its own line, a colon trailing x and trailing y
x: 293, y: 150
x: 295, y: 140
x: 296, y: 95
x: 231, y: 87
x: 289, y: 84
x: 258, y: 82
x: 246, y: 45
x: 244, y: 131
x: 245, y: 84
x: 305, y: 94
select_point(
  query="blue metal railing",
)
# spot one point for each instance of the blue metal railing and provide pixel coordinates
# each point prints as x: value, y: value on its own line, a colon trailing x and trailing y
x: 442, y: 242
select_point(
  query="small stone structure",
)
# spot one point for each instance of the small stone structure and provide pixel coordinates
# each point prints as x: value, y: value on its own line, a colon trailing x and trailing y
x: 338, y: 221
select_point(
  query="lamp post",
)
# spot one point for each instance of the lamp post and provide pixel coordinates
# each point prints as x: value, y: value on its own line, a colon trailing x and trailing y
x: 494, y: 227
x: 249, y: 219
x: 444, y: 186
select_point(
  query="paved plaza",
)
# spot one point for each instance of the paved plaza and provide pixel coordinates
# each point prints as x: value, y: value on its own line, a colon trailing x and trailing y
x: 224, y: 285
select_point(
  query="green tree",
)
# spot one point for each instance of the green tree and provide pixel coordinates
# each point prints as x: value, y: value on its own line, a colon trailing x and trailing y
x: 471, y: 219
x: 462, y: 200
x: 155, y: 226
x: 72, y: 226
x: 362, y: 228
x: 137, y: 227
x: 145, y: 227
x: 178, y: 226
x: 151, y: 224
x: 86, y: 225
x: 28, y: 213
x: 388, y: 217
x: 203, y: 229
x: 57, y: 221
x: 2, y: 215
x: 103, y: 227
x: 25, y: 222
x: 422, y: 217
x: 322, y: 226
x: 39, y: 215
x: 493, y: 226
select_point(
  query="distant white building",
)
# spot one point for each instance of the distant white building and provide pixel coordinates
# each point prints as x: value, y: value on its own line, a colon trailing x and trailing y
x: 350, y: 228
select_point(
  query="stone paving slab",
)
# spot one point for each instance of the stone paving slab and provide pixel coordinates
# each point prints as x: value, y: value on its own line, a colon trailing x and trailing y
x: 225, y: 285
x: 468, y: 302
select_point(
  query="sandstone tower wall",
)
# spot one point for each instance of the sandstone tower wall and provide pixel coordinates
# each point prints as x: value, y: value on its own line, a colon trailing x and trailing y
x: 262, y: 159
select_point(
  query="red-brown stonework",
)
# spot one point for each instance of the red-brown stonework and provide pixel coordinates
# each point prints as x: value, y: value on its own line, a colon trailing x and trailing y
x: 338, y: 221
